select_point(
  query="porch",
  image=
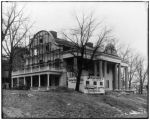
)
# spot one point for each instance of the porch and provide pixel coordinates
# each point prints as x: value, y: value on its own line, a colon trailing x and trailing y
x: 43, y: 81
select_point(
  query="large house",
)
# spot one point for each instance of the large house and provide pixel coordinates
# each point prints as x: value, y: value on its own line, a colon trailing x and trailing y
x: 49, y: 62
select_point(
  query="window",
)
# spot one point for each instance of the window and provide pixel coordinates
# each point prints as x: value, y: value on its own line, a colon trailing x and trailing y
x: 101, y: 83
x: 41, y: 40
x: 41, y: 61
x: 47, y: 48
x: 87, y: 82
x: 35, y: 51
x: 57, y: 63
x: 94, y: 83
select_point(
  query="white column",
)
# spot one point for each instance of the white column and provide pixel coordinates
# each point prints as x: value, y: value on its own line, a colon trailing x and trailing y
x: 18, y: 81
x: 105, y: 73
x: 75, y: 63
x: 31, y: 68
x: 61, y: 55
x: 47, y: 81
x: 126, y: 78
x: 100, y: 69
x: 31, y: 82
x: 12, y: 82
x: 119, y: 76
x: 116, y: 77
x: 39, y: 81
x: 95, y: 68
x: 24, y: 80
x: 105, y: 69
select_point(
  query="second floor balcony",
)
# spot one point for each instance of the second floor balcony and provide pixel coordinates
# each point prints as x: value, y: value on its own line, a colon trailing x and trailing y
x: 38, y: 68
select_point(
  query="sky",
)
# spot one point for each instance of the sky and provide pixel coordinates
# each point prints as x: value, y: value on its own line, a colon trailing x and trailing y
x: 128, y: 20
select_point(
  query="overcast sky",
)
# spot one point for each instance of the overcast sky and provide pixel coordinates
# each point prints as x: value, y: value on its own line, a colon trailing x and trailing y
x: 128, y: 20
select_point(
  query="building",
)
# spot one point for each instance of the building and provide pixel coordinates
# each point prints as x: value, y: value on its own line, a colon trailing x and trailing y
x: 49, y: 63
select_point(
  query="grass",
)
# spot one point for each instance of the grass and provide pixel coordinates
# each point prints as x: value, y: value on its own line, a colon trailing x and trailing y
x: 64, y: 103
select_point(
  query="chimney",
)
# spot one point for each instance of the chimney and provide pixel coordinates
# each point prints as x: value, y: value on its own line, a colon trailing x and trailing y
x: 54, y: 34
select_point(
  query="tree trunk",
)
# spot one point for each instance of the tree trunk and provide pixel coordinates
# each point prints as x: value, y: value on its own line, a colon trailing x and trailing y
x: 78, y: 80
x: 130, y: 82
x: 141, y: 88
x: 80, y: 62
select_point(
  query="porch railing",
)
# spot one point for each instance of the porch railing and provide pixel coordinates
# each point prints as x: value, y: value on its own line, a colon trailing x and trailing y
x: 37, y: 68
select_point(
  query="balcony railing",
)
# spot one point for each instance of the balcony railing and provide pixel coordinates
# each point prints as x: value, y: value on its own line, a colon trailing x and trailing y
x: 37, y: 68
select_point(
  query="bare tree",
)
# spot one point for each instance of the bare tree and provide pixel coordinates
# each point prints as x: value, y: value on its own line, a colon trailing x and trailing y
x: 132, y: 68
x: 80, y: 37
x: 141, y: 74
x: 14, y: 31
x: 125, y: 52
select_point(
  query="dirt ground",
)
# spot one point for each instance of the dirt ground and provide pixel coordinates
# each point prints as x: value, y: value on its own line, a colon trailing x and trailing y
x: 63, y: 103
